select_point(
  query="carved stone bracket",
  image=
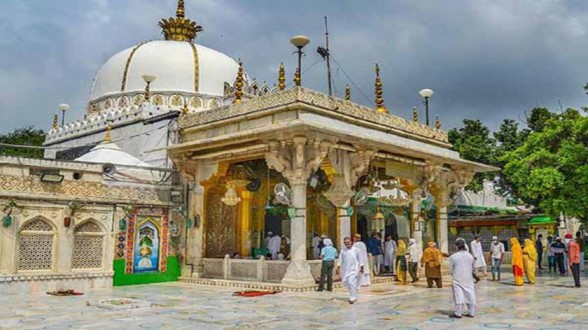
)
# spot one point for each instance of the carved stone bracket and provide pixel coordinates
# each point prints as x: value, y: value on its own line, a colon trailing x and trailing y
x: 464, y: 176
x: 297, y: 158
x: 360, y: 161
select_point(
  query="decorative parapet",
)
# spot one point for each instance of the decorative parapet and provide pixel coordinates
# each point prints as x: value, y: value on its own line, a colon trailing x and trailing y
x: 14, y: 185
x: 316, y: 99
x: 50, y: 163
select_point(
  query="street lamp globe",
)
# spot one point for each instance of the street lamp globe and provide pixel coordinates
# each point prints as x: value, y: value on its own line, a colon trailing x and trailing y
x: 63, y: 107
x: 148, y: 78
x: 426, y: 93
x: 299, y: 41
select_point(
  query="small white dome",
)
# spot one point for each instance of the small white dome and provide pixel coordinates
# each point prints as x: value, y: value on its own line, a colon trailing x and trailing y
x: 110, y: 153
x: 179, y: 66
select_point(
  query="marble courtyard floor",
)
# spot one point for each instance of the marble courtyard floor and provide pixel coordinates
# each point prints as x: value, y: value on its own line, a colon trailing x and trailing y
x: 550, y: 304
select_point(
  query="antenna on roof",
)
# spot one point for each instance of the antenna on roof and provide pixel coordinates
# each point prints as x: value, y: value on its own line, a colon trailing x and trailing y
x: 324, y: 52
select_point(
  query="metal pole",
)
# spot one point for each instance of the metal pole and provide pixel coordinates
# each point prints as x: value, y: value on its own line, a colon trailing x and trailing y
x: 427, y: 109
x: 328, y: 58
x: 300, y: 62
x: 62, y: 118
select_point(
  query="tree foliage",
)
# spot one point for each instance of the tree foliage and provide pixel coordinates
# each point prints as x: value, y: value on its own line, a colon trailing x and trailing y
x: 28, y: 136
x: 473, y: 142
x: 551, y: 166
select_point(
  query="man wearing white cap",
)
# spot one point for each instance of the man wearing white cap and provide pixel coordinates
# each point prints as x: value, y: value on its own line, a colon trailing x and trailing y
x: 497, y: 253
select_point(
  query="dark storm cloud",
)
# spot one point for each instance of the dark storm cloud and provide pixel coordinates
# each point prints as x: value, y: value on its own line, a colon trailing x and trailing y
x: 484, y: 59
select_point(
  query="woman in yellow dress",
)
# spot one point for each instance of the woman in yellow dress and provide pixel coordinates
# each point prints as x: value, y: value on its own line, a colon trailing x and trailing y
x: 401, y: 265
x: 517, y: 261
x: 530, y: 260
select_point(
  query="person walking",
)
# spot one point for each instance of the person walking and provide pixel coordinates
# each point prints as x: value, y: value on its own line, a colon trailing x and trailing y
x: 365, y: 279
x: 374, y: 246
x: 351, y: 268
x: 389, y: 251
x: 462, y: 284
x: 478, y: 253
x: 559, y: 248
x: 550, y: 255
x: 496, y: 253
x: 539, y: 248
x: 401, y: 265
x: 581, y: 242
x: 530, y: 260
x: 517, y: 261
x: 574, y: 257
x: 328, y: 255
x: 567, y: 239
x: 414, y: 252
x: 431, y: 260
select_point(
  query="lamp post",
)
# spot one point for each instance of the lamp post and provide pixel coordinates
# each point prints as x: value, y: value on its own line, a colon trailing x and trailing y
x: 63, y: 107
x: 299, y: 42
x: 148, y: 79
x: 426, y: 94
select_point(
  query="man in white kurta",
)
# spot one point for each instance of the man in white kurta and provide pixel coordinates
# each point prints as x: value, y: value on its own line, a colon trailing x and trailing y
x: 478, y: 253
x: 274, y: 245
x: 351, y: 268
x: 365, y: 279
x: 461, y: 266
x: 389, y: 251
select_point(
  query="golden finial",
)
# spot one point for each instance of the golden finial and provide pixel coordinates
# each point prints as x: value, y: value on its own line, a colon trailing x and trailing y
x: 415, y: 115
x: 55, y: 119
x: 297, y: 79
x: 380, y: 107
x: 347, y: 93
x: 107, y: 136
x: 282, y: 77
x: 184, y: 109
x: 179, y: 28
x: 239, y: 83
x: 180, y: 10
x: 437, y: 123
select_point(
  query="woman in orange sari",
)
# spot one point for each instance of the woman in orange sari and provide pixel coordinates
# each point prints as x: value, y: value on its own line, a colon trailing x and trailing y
x: 530, y: 260
x: 517, y: 261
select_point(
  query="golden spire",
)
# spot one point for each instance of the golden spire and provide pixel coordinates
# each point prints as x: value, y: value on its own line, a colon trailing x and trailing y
x: 55, y: 119
x: 179, y: 28
x: 107, y: 136
x: 297, y: 79
x: 347, y: 93
x: 282, y: 77
x: 415, y: 115
x: 380, y: 107
x: 437, y: 123
x: 239, y: 84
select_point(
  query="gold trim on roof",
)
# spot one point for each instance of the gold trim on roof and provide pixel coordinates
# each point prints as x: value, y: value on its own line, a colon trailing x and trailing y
x: 415, y: 115
x: 239, y: 83
x: 123, y: 84
x: 437, y: 123
x: 347, y: 93
x: 196, y: 68
x: 55, y: 124
x: 179, y: 28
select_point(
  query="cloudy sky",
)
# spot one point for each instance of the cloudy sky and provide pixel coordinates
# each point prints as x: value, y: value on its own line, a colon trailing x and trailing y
x: 484, y: 59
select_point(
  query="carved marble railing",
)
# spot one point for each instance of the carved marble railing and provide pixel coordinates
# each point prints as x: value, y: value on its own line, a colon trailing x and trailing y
x: 256, y: 270
x: 316, y: 99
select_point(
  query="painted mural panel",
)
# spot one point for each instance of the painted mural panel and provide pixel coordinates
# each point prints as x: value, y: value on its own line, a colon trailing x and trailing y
x: 147, y: 242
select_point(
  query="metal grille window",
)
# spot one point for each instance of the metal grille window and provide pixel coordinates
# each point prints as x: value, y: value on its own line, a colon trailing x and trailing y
x: 35, y: 246
x: 88, y: 246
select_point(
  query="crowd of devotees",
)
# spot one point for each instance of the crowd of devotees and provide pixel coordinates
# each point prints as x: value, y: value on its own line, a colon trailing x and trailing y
x: 357, y: 262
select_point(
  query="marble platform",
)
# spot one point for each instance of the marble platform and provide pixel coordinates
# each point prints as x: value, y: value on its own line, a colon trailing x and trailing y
x: 550, y: 304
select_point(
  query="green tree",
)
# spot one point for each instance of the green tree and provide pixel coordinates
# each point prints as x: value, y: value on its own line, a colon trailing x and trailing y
x: 27, y: 136
x: 551, y: 167
x: 509, y: 138
x: 538, y: 118
x: 473, y: 142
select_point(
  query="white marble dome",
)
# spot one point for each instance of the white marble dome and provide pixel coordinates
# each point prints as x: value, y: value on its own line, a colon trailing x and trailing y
x: 180, y: 67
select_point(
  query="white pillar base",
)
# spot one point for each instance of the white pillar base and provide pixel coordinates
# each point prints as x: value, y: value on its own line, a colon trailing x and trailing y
x: 298, y: 274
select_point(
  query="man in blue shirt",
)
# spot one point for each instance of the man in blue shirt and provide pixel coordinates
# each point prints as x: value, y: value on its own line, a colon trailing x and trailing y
x: 374, y: 246
x: 328, y: 255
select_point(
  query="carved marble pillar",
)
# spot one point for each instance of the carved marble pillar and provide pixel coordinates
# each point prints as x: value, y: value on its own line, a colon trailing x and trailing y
x: 344, y: 225
x: 296, y: 159
x: 196, y: 173
x: 442, y: 229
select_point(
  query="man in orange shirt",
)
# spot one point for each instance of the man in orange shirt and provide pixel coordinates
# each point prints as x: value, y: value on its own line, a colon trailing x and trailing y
x: 574, y: 257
